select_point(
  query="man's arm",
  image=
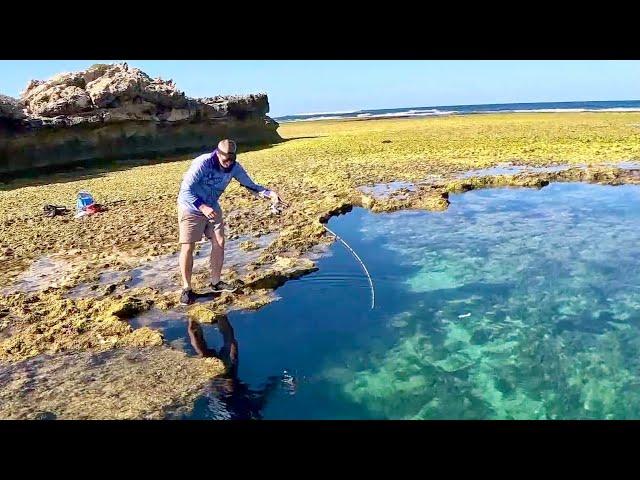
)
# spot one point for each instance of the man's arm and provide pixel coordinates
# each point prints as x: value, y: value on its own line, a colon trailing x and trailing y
x: 191, y: 178
x: 243, y: 178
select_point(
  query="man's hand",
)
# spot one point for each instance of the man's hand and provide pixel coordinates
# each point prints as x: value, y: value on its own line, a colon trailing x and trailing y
x: 275, y: 199
x: 209, y: 212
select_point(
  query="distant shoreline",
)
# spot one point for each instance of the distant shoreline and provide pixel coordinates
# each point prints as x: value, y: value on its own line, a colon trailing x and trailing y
x: 440, y: 111
x: 425, y: 117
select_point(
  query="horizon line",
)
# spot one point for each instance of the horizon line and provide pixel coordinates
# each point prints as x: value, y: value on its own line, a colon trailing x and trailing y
x: 338, y: 112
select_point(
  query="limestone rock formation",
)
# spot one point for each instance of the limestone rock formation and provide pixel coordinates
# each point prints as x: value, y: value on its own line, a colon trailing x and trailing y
x: 10, y: 109
x: 117, y: 111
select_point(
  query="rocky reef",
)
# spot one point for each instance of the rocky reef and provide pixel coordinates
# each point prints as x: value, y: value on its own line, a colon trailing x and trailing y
x: 126, y: 258
x: 116, y: 111
x: 118, y: 384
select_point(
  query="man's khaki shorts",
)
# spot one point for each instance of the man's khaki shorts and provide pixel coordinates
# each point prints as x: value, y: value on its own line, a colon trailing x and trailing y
x: 194, y: 225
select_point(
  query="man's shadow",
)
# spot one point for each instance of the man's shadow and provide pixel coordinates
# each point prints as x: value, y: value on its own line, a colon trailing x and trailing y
x: 210, y: 295
x: 240, y: 402
x: 205, y: 296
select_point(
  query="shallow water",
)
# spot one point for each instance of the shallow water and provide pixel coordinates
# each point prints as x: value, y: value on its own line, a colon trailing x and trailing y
x: 509, y: 169
x: 163, y: 272
x: 402, y: 189
x: 47, y: 271
x: 399, y: 189
x: 513, y: 303
x: 630, y: 165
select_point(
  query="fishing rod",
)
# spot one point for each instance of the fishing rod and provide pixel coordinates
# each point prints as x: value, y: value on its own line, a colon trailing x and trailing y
x: 275, y: 209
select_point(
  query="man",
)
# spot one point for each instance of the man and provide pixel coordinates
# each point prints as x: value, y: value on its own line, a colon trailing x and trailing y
x: 199, y: 212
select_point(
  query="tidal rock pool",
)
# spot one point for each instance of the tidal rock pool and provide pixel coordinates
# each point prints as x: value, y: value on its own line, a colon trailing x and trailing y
x: 511, y: 304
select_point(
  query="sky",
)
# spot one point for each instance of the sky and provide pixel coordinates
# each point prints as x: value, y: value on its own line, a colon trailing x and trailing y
x: 318, y: 86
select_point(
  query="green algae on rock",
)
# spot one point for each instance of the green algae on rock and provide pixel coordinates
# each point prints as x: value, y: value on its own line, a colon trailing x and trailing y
x: 50, y: 323
x: 129, y: 307
x: 317, y: 171
x: 141, y: 383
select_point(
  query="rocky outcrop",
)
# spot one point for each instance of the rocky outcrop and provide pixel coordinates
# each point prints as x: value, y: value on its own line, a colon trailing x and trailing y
x: 116, y: 111
x: 239, y: 105
x: 11, y: 110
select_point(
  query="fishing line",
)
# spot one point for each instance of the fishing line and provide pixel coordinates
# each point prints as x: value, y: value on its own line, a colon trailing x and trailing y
x: 276, y: 210
x: 373, y: 294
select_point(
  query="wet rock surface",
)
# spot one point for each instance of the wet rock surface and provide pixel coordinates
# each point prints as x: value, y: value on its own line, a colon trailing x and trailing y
x: 99, y: 315
x: 49, y: 323
x: 118, y: 384
x: 49, y: 317
x: 162, y: 273
x: 45, y: 272
x: 432, y: 193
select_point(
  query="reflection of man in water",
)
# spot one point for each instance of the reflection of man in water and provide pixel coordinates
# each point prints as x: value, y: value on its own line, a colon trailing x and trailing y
x: 229, y: 351
x: 239, y: 401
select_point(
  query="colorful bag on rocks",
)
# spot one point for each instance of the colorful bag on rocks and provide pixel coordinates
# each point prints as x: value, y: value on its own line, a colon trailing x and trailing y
x: 83, y: 201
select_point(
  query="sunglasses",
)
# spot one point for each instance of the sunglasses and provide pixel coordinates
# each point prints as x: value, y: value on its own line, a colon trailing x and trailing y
x: 227, y: 156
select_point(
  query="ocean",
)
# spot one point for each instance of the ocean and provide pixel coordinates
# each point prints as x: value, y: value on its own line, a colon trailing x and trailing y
x: 600, y: 106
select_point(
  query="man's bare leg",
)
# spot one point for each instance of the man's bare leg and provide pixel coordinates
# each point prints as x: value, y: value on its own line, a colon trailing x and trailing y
x: 186, y: 263
x: 217, y: 255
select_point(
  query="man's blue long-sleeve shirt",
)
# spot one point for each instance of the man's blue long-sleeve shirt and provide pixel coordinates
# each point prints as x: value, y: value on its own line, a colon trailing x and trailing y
x: 206, y: 179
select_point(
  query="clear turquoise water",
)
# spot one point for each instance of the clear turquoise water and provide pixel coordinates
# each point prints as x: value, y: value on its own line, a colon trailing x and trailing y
x: 512, y: 304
